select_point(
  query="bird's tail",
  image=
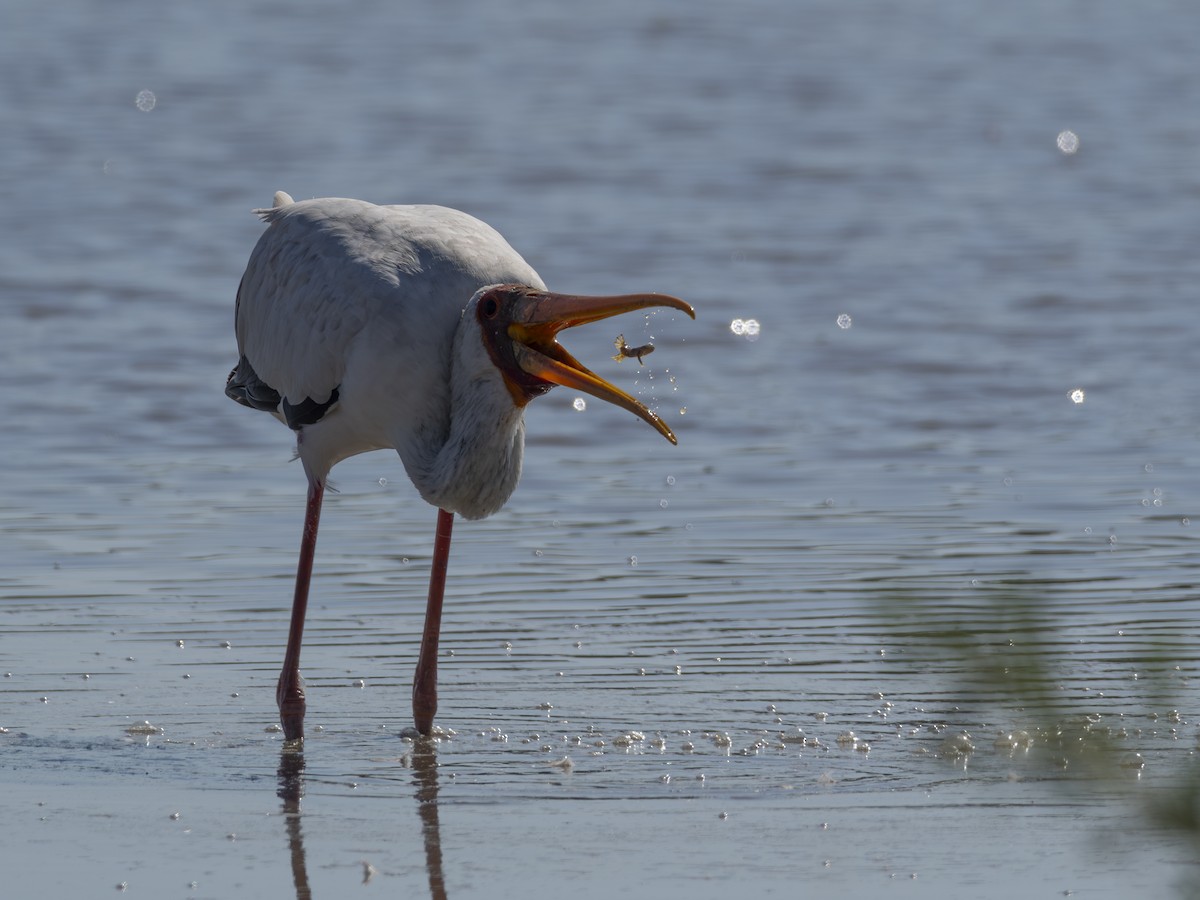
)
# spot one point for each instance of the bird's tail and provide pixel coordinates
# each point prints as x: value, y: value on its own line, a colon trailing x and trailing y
x: 281, y: 200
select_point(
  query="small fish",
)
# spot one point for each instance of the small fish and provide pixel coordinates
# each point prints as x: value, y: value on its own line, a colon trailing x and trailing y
x: 624, y: 350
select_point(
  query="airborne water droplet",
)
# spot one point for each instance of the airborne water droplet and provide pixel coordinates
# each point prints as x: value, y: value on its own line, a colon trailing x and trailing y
x: 747, y: 328
x: 579, y: 403
x: 1067, y: 141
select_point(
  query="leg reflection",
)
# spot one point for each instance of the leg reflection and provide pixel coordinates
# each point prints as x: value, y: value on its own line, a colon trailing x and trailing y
x: 291, y: 790
x: 424, y: 762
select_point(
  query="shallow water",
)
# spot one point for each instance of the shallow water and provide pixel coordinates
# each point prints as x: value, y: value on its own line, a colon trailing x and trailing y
x: 862, y: 522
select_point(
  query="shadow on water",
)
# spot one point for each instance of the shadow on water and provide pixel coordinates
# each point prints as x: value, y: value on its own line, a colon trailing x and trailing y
x: 425, y: 775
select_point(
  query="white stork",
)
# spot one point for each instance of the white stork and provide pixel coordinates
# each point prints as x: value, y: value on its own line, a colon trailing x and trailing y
x: 417, y: 328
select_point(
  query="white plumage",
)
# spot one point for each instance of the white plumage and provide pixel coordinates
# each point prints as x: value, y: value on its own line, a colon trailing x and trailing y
x: 419, y: 328
x: 346, y: 295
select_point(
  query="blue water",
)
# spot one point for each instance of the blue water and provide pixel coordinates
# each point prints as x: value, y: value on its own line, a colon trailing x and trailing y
x: 843, y: 496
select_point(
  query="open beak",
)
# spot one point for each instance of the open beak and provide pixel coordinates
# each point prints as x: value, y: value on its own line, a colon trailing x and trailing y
x: 540, y: 316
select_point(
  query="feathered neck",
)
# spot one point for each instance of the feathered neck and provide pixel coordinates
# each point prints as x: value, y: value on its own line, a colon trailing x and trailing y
x: 475, y: 467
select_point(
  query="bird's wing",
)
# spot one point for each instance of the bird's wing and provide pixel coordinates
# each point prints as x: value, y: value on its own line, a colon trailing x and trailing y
x: 299, y: 305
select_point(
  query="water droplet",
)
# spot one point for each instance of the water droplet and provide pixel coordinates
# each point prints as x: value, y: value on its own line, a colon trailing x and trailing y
x: 633, y: 562
x: 662, y: 504
x: 565, y: 764
x: 579, y: 403
x: 957, y: 745
x: 1067, y: 141
x: 145, y: 101
x: 747, y: 328
x: 683, y: 410
x: 844, y: 321
x: 670, y: 479
x: 1077, y: 395
x: 1149, y: 467
x: 383, y: 482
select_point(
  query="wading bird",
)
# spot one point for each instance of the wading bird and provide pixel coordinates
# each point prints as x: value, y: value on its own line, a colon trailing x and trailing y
x: 417, y: 328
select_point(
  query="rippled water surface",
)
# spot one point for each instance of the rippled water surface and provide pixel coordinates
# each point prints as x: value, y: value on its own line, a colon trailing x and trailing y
x: 946, y: 487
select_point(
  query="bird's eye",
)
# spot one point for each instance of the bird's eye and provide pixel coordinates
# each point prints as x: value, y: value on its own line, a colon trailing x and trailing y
x: 489, y: 307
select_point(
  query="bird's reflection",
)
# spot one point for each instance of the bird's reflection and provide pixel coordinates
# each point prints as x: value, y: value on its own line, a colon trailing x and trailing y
x: 424, y: 763
x: 425, y: 777
x: 291, y: 790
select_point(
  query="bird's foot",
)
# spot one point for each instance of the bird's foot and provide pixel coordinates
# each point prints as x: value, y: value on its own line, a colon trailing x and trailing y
x: 289, y: 694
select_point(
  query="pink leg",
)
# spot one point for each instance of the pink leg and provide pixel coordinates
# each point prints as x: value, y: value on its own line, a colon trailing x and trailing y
x: 425, y: 680
x: 289, y: 693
